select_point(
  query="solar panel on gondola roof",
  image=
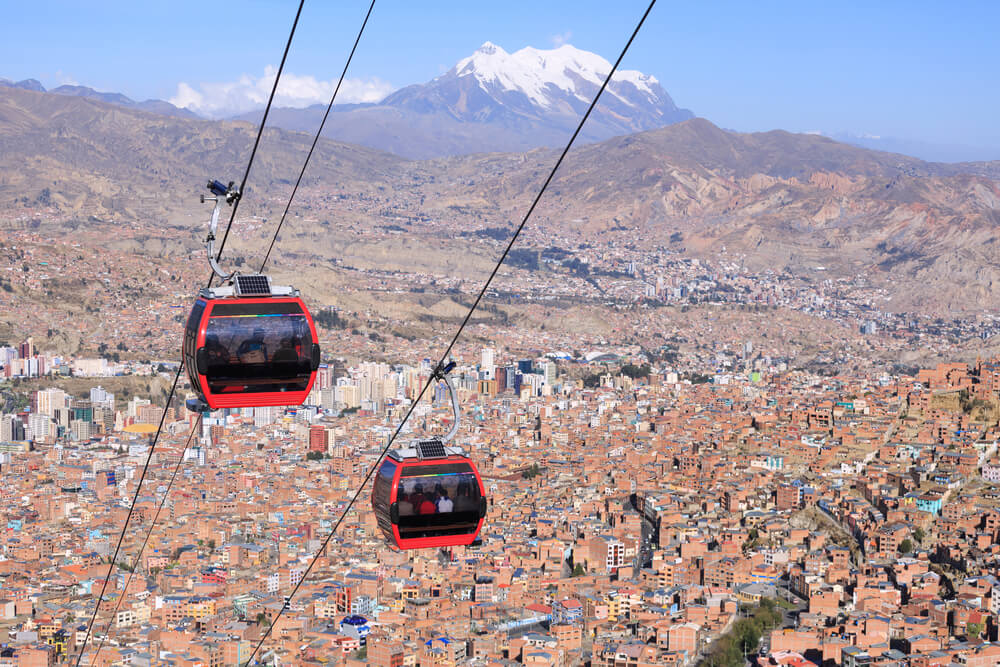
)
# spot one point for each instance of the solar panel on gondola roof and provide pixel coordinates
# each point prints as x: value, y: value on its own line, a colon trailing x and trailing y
x: 253, y: 285
x: 431, y: 449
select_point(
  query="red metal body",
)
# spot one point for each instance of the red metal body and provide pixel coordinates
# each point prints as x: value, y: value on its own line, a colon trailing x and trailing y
x: 451, y: 472
x: 251, y: 351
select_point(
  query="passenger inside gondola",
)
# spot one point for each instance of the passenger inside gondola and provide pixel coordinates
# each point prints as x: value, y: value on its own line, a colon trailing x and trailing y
x: 444, y: 502
x: 217, y: 352
x: 464, y: 500
x: 286, y: 353
x: 405, y: 506
x: 253, y: 350
x: 252, y: 354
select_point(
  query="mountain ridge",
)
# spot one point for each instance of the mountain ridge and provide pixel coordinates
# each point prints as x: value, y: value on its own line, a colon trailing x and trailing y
x: 161, y: 107
x: 496, y: 101
x: 777, y: 199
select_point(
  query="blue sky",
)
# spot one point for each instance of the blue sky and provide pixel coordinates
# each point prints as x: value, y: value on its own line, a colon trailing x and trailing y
x: 923, y: 71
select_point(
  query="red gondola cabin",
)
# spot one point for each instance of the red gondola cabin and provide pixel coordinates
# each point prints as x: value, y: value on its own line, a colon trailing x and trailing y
x: 429, y: 496
x: 250, y: 351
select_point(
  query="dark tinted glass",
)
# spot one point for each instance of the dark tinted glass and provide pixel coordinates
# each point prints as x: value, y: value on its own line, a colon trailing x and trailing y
x: 190, y: 339
x: 258, y: 347
x: 383, y: 484
x: 436, y: 500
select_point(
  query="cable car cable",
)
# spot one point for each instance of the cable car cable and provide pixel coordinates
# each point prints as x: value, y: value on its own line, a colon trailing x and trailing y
x: 260, y: 131
x: 305, y: 164
x: 444, y: 358
x: 128, y: 518
x: 180, y: 459
x: 173, y: 388
x: 343, y: 514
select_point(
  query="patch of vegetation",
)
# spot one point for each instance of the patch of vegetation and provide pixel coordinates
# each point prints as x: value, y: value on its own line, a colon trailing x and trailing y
x: 635, y: 372
x: 578, y: 267
x: 555, y: 253
x: 729, y: 649
x: 523, y: 258
x: 532, y: 472
x: 330, y: 319
x: 495, y: 233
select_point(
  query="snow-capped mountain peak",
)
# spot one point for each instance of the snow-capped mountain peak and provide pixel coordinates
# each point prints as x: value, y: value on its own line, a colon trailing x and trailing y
x: 533, y: 71
x: 535, y: 97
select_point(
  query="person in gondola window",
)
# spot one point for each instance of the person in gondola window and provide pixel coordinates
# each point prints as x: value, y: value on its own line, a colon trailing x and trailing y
x: 405, y: 506
x: 217, y: 352
x: 464, y: 501
x: 254, y: 349
x: 286, y: 352
x: 427, y: 505
x: 444, y: 503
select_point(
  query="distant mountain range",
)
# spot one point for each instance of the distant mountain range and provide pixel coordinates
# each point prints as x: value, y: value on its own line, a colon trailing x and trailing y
x: 925, y: 231
x: 926, y: 150
x: 492, y: 101
x: 497, y: 101
x: 153, y: 106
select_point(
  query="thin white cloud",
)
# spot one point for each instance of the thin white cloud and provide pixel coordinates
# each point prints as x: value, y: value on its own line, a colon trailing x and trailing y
x: 562, y: 38
x: 247, y: 93
x: 64, y: 79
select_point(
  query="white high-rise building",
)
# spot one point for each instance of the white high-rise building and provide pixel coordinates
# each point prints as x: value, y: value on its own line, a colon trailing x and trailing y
x: 549, y: 372
x: 39, y: 427
x: 488, y: 367
x: 264, y: 416
x: 101, y: 396
x: 50, y: 400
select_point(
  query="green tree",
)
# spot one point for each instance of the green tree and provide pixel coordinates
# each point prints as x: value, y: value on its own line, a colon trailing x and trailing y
x: 973, y: 630
x: 578, y: 570
x: 919, y: 534
x: 729, y: 649
x: 906, y: 546
x: 635, y: 372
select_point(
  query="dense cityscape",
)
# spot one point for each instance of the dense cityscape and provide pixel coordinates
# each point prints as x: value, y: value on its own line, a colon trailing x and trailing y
x: 634, y: 518
x: 499, y: 356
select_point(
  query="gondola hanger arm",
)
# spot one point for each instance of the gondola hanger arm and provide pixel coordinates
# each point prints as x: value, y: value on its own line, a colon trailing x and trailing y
x: 224, y: 194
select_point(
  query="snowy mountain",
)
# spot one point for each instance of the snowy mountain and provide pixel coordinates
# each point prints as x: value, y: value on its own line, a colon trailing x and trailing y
x: 550, y: 87
x: 497, y: 101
